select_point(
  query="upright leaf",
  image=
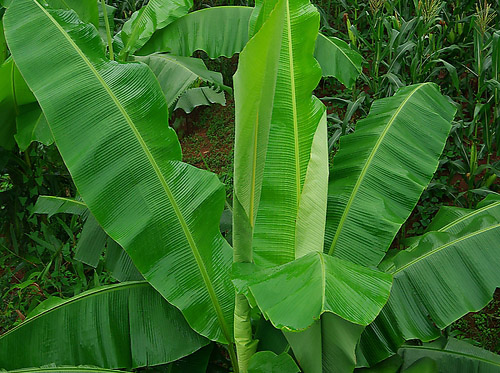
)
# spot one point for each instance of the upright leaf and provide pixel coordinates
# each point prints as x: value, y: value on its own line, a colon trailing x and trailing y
x: 110, y: 12
x: 254, y: 88
x: 155, y: 15
x: 127, y: 325
x: 110, y: 124
x: 293, y: 198
x: 3, y: 44
x: 381, y: 170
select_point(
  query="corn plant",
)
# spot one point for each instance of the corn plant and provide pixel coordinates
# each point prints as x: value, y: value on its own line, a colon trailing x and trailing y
x: 309, y: 261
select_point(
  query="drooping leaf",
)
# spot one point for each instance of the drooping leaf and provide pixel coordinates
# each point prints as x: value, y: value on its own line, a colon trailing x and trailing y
x: 269, y: 362
x: 194, y: 363
x: 32, y: 126
x: 329, y: 284
x: 119, y: 264
x: 219, y: 31
x: 293, y: 198
x: 125, y: 325
x: 337, y: 59
x: 200, y: 96
x: 223, y: 31
x: 110, y: 124
x: 329, y: 345
x: 155, y: 15
x: 444, y: 277
x: 51, y: 205
x: 91, y: 243
x: 456, y: 356
x: 177, y: 74
x: 87, y: 10
x: 381, y: 170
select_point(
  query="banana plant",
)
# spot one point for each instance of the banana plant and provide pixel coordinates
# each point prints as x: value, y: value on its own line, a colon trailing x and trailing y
x: 306, y: 241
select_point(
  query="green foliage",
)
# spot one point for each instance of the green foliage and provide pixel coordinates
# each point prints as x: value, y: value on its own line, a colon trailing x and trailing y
x: 304, y: 292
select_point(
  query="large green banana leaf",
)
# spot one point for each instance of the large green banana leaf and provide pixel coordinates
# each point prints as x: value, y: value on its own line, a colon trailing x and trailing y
x: 355, y: 293
x: 127, y: 325
x: 177, y: 74
x: 444, y: 277
x: 337, y: 59
x: 290, y: 219
x: 455, y: 356
x: 109, y: 121
x: 223, y: 31
x: 156, y: 14
x: 381, y: 170
x: 254, y: 88
x: 329, y: 345
x: 219, y: 31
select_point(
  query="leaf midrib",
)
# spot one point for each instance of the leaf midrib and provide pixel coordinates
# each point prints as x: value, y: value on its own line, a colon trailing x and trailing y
x: 294, y: 102
x: 180, y: 217
x: 442, y: 247
x: 367, y: 166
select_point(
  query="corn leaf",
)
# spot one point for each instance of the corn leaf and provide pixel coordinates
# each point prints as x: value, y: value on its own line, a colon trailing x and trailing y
x: 126, y: 325
x: 381, y: 170
x: 110, y: 124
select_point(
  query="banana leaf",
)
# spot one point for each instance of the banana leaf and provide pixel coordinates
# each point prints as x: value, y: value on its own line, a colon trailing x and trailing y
x: 355, y: 293
x: 290, y: 219
x: 381, y: 170
x: 455, y: 356
x: 110, y: 12
x: 200, y: 96
x: 126, y: 325
x: 329, y: 345
x: 343, y: 62
x: 156, y: 14
x: 219, y: 31
x: 444, y: 277
x: 269, y: 362
x: 223, y: 31
x: 51, y: 205
x: 31, y: 125
x: 110, y: 124
x: 87, y: 10
x: 177, y: 74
